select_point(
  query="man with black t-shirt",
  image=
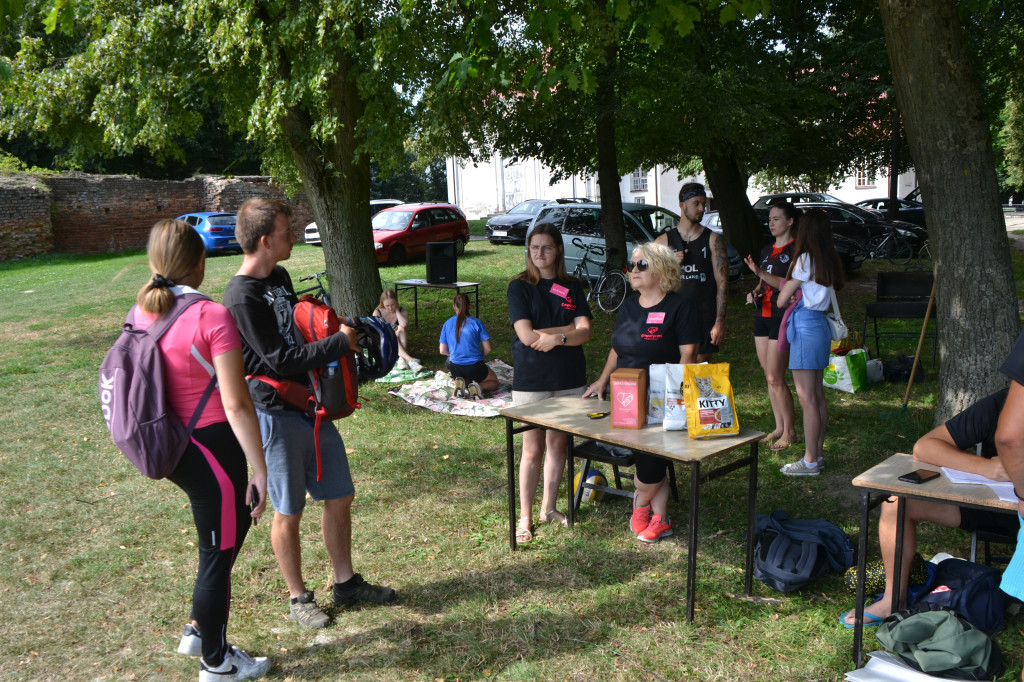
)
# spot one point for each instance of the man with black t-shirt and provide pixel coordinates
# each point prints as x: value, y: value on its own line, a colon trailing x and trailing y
x: 260, y: 298
x: 944, y: 445
x: 704, y: 263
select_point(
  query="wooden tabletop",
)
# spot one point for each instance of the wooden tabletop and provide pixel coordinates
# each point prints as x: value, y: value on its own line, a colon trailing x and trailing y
x: 570, y: 415
x: 884, y: 477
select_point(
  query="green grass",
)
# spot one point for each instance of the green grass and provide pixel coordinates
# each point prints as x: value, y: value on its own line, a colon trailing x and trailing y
x: 98, y: 560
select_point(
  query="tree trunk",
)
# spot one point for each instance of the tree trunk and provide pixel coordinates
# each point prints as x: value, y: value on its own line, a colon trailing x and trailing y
x: 337, y: 184
x: 728, y: 184
x: 892, y: 206
x: 607, y: 161
x: 948, y: 132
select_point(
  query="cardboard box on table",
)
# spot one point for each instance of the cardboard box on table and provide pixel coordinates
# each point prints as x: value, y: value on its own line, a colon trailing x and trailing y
x: 629, y: 398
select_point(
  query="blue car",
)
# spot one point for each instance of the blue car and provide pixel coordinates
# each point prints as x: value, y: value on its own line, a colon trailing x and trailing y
x: 216, y: 229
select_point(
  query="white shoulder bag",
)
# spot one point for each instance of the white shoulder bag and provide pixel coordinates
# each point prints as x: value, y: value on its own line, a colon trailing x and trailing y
x: 835, y: 319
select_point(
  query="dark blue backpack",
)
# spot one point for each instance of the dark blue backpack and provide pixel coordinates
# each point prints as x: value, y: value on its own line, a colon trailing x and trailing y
x: 791, y: 553
x: 970, y: 589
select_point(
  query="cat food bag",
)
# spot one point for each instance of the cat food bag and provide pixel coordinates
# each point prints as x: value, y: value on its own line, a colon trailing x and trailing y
x: 710, y: 407
x: 656, y: 394
x: 675, y: 405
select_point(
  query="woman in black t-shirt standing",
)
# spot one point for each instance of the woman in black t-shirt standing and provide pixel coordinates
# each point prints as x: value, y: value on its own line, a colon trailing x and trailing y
x: 549, y: 312
x: 772, y: 269
x: 659, y: 326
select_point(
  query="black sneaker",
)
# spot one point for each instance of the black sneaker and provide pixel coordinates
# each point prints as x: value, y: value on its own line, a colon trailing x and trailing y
x: 361, y: 591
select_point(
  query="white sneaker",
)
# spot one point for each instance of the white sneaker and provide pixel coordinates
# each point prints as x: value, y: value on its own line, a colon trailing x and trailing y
x: 800, y: 468
x: 191, y: 642
x: 415, y: 365
x: 237, y: 665
x: 402, y: 364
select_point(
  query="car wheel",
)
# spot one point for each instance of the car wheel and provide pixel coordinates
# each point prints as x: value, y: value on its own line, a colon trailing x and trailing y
x: 460, y: 246
x: 397, y: 255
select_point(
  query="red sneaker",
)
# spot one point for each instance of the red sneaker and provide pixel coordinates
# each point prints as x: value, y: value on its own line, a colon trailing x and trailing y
x: 641, y: 517
x: 660, y: 527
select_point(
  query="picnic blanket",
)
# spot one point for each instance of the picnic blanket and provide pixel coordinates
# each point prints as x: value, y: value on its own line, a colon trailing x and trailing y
x: 397, y: 376
x: 436, y: 394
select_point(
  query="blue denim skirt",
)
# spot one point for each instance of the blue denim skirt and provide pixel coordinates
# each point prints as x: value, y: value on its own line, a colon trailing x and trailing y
x: 810, y: 339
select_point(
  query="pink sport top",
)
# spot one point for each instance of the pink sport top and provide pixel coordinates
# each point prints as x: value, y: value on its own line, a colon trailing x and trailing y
x: 204, y: 331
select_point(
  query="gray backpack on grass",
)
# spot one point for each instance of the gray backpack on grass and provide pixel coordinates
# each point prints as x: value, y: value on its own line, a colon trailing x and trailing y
x: 133, y: 398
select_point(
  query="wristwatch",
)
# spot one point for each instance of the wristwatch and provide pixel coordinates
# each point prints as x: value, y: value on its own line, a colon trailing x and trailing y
x: 564, y: 340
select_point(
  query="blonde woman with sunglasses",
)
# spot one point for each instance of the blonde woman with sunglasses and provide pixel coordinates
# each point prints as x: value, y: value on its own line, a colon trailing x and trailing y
x: 657, y: 327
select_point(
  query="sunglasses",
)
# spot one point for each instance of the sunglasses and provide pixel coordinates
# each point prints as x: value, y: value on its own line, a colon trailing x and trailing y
x: 640, y: 265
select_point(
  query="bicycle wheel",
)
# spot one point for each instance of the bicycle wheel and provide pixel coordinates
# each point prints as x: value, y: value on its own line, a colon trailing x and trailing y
x: 898, y: 249
x: 875, y: 247
x: 611, y: 291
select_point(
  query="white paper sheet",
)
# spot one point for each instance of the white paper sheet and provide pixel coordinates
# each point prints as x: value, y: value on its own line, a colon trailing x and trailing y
x: 1004, y: 490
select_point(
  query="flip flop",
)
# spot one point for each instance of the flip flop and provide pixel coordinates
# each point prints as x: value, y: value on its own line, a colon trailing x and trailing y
x: 524, y: 530
x: 768, y: 437
x: 870, y: 621
x: 554, y: 516
x: 781, y: 445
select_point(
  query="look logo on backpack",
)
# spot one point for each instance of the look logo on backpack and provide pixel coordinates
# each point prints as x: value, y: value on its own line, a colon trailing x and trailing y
x: 133, y: 398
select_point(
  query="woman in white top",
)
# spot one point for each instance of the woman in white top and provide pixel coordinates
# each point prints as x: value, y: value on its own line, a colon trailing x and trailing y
x: 816, y: 268
x: 398, y: 318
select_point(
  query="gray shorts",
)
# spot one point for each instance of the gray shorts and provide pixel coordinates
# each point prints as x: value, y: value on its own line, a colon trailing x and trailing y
x: 527, y: 397
x: 291, y: 461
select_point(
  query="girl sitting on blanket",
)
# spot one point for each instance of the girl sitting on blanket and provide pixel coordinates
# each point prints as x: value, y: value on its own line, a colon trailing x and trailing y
x: 462, y: 338
x: 398, y: 318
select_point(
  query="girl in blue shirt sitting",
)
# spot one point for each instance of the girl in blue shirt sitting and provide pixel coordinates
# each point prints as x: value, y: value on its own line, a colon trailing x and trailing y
x: 465, y: 341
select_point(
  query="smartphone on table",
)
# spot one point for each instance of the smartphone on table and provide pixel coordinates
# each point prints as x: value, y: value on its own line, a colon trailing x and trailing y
x: 919, y: 476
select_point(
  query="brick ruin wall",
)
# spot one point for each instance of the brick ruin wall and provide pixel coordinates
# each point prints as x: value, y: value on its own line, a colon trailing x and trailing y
x: 25, y: 226
x: 80, y: 213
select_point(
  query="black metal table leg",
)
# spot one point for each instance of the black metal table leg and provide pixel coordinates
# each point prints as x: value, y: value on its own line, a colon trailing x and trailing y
x: 510, y: 464
x: 748, y: 579
x: 691, y: 560
x: 862, y: 552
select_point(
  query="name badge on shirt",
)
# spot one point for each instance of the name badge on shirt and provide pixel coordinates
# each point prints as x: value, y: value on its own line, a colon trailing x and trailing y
x: 558, y: 290
x: 655, y: 318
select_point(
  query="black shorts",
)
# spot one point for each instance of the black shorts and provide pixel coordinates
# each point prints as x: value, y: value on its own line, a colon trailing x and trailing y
x: 476, y: 372
x: 650, y: 469
x: 708, y: 316
x: 767, y: 326
x: 989, y: 522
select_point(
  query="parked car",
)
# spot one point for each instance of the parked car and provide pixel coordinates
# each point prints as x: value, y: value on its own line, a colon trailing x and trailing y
x: 643, y: 223
x: 713, y: 221
x: 402, y: 232
x: 766, y: 201
x: 510, y: 228
x: 911, y: 211
x: 376, y: 206
x: 216, y: 229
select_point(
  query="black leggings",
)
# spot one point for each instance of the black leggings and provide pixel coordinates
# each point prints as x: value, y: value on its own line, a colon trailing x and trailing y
x: 213, y: 473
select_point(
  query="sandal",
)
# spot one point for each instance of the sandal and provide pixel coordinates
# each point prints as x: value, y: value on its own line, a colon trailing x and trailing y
x: 554, y: 516
x: 781, y: 445
x: 524, y: 529
x: 769, y: 437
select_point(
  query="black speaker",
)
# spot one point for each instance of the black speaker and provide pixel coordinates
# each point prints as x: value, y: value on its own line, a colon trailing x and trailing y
x: 441, y: 263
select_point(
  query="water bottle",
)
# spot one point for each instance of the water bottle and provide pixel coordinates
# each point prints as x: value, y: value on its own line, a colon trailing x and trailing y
x: 331, y: 369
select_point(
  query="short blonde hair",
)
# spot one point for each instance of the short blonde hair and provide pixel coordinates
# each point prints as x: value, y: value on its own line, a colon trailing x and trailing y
x: 662, y: 261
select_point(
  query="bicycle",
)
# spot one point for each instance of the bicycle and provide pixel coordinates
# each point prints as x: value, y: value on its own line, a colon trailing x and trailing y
x: 889, y: 244
x: 609, y: 290
x: 319, y: 290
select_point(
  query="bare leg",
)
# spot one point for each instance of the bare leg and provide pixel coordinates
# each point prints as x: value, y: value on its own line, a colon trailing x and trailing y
x: 284, y: 538
x: 917, y: 510
x: 654, y: 494
x: 774, y: 365
x: 812, y: 402
x: 490, y: 382
x: 554, y: 465
x: 336, y: 526
x: 403, y: 344
x: 529, y: 470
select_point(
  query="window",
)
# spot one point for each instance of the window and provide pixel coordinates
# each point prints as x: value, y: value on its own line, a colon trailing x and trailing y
x: 585, y: 222
x: 865, y: 178
x: 638, y: 181
x: 554, y: 216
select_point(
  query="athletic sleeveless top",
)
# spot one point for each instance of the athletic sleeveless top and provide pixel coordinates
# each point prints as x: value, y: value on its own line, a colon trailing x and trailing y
x: 774, y: 261
x: 698, y: 273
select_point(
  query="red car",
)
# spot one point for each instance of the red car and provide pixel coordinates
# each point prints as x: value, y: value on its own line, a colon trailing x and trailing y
x: 402, y: 232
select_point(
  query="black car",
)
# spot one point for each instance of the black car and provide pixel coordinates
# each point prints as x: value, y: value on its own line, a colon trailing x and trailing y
x: 510, y: 228
x: 911, y: 211
x: 798, y: 199
x: 853, y: 226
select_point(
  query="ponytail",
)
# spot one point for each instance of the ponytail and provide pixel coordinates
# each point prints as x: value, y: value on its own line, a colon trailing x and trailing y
x: 174, y: 250
x: 461, y: 303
